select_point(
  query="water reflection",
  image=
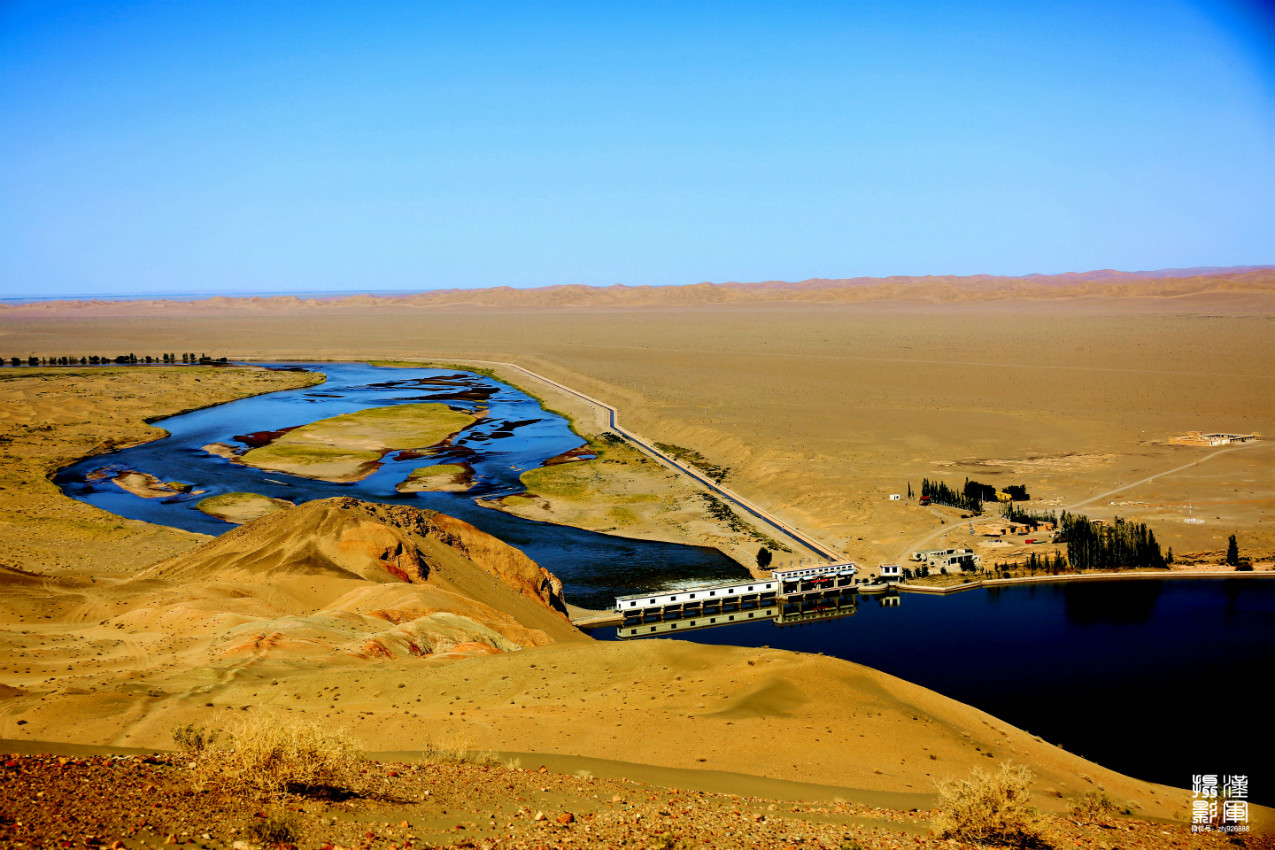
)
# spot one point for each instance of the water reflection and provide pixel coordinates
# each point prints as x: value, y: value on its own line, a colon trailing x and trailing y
x: 1131, y: 601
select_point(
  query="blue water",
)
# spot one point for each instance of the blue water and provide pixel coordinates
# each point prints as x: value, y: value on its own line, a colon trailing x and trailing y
x: 516, y: 435
x: 1158, y: 679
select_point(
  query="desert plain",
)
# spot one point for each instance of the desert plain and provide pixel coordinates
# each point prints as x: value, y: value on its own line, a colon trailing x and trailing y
x: 410, y: 630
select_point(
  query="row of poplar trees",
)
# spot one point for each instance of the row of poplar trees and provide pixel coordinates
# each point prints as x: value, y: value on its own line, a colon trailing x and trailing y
x: 1116, y: 546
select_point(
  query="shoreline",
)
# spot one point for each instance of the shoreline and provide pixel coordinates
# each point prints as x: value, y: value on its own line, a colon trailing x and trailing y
x: 999, y: 582
x: 107, y: 448
x: 596, y: 618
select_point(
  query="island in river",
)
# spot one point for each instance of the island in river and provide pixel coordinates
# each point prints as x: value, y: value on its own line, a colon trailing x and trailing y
x: 350, y: 447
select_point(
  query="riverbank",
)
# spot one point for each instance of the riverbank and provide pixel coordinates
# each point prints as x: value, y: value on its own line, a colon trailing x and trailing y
x: 956, y: 584
x: 51, y: 418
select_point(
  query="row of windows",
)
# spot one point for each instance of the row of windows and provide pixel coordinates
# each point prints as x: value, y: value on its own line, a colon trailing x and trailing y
x: 633, y: 604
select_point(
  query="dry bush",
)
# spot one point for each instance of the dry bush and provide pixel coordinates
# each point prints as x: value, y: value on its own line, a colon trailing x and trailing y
x: 457, y: 750
x: 991, y: 808
x: 192, y: 740
x: 273, y: 754
x: 279, y: 828
x: 1093, y: 806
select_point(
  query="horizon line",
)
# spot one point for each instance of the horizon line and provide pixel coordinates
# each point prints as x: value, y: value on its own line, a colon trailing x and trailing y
x: 325, y: 294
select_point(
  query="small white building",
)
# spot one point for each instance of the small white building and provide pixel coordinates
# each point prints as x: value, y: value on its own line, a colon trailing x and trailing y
x: 939, y: 558
x: 891, y: 572
x: 894, y: 497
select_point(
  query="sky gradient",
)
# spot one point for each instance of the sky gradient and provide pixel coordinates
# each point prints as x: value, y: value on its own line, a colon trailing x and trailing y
x: 290, y: 146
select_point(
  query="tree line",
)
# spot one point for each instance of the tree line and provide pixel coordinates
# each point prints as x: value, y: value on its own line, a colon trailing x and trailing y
x: 1120, y: 545
x: 940, y: 493
x: 120, y: 359
x: 971, y: 496
x: 1013, y: 513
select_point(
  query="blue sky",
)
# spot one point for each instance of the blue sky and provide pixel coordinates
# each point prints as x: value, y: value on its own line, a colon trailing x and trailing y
x: 304, y: 146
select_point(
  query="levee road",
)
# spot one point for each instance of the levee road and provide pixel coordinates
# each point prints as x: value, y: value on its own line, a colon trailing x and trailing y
x: 613, y: 422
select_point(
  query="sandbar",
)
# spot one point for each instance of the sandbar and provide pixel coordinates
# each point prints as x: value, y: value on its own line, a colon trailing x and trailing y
x: 349, y: 447
x: 442, y: 477
x: 239, y: 508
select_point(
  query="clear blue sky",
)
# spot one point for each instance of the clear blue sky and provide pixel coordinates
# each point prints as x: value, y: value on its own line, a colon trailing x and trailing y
x: 302, y: 146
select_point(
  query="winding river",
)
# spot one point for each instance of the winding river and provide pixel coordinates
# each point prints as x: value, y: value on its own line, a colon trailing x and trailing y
x: 1159, y: 679
x: 516, y: 435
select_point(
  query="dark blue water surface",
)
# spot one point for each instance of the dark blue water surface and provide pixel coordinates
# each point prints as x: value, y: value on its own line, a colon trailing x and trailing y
x: 516, y: 435
x: 1158, y: 679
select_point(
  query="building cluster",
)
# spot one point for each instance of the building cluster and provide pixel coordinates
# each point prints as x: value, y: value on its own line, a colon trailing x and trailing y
x: 1195, y: 438
x: 1009, y: 528
x: 937, y: 559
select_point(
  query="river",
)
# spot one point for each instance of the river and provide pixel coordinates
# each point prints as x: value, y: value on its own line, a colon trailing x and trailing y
x: 516, y: 435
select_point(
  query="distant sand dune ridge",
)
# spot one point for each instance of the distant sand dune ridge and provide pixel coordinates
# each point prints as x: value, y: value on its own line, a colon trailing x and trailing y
x: 935, y: 289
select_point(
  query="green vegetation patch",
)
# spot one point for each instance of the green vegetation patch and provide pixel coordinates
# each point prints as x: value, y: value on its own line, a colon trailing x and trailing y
x: 435, y: 364
x: 447, y: 477
x: 584, y: 479
x: 695, y: 459
x: 562, y: 481
x: 439, y: 470
x: 277, y: 456
x: 723, y: 513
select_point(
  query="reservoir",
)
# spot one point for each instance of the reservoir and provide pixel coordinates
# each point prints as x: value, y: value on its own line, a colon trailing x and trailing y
x: 1149, y: 677
x: 1157, y: 679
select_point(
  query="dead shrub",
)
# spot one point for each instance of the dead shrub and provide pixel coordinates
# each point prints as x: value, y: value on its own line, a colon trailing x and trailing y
x: 272, y: 755
x: 192, y: 740
x: 991, y: 808
x: 278, y: 828
x: 457, y: 750
x: 1094, y: 805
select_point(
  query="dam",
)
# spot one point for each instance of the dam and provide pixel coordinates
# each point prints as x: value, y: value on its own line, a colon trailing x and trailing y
x: 788, y: 596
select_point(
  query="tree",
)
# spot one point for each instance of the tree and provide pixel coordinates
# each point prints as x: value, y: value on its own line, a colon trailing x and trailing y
x: 1017, y: 492
x: 764, y: 556
x: 909, y: 489
x: 1232, y: 552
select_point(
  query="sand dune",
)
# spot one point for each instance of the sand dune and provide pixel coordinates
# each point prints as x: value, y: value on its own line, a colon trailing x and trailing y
x: 819, y: 410
x: 938, y: 289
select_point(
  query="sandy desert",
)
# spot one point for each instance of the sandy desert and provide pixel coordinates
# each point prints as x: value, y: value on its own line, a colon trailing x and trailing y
x: 410, y: 628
